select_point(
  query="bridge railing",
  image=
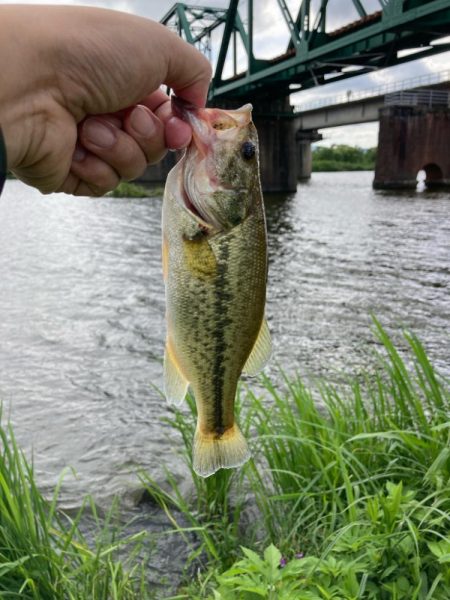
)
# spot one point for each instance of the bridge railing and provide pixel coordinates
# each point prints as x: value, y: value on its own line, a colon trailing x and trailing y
x: 388, y: 88
x: 428, y: 98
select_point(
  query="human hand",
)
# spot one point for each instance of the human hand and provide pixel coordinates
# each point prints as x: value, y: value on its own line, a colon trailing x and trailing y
x: 80, y: 104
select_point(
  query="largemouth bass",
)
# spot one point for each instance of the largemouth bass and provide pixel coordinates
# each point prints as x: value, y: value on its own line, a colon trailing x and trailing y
x: 215, y: 271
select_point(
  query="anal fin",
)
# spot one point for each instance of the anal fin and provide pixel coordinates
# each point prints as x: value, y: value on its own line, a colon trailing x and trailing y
x: 261, y: 351
x: 175, y: 384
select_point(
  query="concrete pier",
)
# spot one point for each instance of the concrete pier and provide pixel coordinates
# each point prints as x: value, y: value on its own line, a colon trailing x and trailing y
x: 278, y: 154
x: 156, y: 174
x: 304, y: 140
x: 413, y: 138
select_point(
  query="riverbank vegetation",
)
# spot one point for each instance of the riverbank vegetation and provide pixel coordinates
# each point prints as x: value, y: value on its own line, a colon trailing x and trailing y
x: 343, y: 158
x: 348, y: 496
x: 129, y: 189
x: 43, y: 553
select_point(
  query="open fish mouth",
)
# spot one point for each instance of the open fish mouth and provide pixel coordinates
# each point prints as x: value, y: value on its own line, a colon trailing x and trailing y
x: 194, y: 167
x: 210, y: 123
x: 200, y: 183
x: 201, y: 196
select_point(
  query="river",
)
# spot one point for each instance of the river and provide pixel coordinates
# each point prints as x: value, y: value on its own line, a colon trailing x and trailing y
x: 82, y: 312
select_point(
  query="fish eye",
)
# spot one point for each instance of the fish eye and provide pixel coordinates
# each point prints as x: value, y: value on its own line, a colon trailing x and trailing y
x: 248, y: 150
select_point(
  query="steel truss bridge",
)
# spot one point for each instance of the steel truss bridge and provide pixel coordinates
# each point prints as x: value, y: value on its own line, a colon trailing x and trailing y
x: 314, y: 55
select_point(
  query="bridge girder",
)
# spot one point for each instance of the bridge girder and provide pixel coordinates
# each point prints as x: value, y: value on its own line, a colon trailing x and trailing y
x: 370, y: 43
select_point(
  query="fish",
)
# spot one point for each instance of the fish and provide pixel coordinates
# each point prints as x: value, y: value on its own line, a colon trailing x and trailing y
x: 214, y: 254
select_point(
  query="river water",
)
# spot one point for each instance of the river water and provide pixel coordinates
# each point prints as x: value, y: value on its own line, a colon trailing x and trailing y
x: 82, y: 312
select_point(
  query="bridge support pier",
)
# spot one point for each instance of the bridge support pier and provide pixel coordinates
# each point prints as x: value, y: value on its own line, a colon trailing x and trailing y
x: 157, y: 174
x: 277, y: 145
x: 413, y: 139
x: 304, y: 139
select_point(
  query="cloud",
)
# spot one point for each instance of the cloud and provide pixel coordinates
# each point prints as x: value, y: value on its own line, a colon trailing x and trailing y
x: 364, y: 135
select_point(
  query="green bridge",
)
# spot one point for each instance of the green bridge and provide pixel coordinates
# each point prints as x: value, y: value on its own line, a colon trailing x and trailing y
x: 315, y: 54
x: 371, y: 42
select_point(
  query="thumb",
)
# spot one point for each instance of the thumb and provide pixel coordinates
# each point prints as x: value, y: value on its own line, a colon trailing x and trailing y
x: 116, y: 59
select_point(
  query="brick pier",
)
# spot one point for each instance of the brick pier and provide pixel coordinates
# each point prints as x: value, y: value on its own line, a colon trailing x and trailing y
x: 411, y: 139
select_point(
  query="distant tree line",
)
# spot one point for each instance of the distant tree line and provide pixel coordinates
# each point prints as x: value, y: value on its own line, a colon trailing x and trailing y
x: 340, y: 157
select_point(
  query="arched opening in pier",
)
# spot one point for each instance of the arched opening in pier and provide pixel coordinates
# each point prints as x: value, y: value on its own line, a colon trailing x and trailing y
x: 420, y: 178
x: 429, y: 176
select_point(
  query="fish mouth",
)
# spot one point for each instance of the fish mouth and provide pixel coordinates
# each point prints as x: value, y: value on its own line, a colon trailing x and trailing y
x: 191, y: 208
x: 196, y: 200
x: 197, y: 118
x: 199, y: 177
x: 209, y: 124
x: 194, y: 165
x: 181, y: 106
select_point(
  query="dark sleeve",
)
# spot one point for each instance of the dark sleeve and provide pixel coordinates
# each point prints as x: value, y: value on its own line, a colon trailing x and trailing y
x: 2, y: 161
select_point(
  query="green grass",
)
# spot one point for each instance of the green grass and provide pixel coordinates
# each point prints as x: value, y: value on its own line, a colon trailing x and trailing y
x: 127, y: 189
x: 343, y: 158
x: 339, y: 165
x: 359, y: 486
x: 43, y: 554
x: 347, y: 497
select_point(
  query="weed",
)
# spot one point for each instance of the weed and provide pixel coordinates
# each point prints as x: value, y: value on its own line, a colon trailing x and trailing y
x: 358, y: 483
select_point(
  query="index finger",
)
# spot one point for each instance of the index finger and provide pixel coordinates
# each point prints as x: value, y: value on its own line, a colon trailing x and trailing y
x: 177, y: 132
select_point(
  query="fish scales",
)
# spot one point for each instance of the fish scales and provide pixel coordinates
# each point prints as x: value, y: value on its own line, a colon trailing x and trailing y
x: 215, y: 273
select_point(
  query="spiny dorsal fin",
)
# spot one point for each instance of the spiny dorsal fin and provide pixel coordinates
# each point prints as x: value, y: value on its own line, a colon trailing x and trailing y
x: 260, y: 354
x: 175, y: 384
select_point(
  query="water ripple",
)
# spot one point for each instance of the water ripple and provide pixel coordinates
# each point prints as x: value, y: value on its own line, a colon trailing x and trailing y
x: 82, y: 312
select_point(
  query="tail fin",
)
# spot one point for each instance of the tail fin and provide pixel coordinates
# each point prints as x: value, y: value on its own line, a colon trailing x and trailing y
x: 211, y: 453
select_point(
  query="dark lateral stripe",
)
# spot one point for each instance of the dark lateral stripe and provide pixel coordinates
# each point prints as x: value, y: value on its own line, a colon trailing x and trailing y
x: 221, y: 303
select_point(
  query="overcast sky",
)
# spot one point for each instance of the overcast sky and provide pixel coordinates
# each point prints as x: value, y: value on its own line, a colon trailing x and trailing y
x: 271, y: 37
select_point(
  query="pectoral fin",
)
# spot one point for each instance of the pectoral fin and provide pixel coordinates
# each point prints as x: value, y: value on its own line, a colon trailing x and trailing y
x: 175, y: 385
x: 260, y: 353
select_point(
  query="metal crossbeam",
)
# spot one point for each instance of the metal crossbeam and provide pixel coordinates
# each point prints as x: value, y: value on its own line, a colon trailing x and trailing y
x: 360, y: 8
x: 372, y: 42
x: 181, y: 12
x: 230, y: 27
x: 292, y: 26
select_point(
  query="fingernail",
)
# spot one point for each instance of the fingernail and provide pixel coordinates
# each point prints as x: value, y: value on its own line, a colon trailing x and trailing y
x: 142, y: 122
x: 99, y: 133
x: 79, y: 153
